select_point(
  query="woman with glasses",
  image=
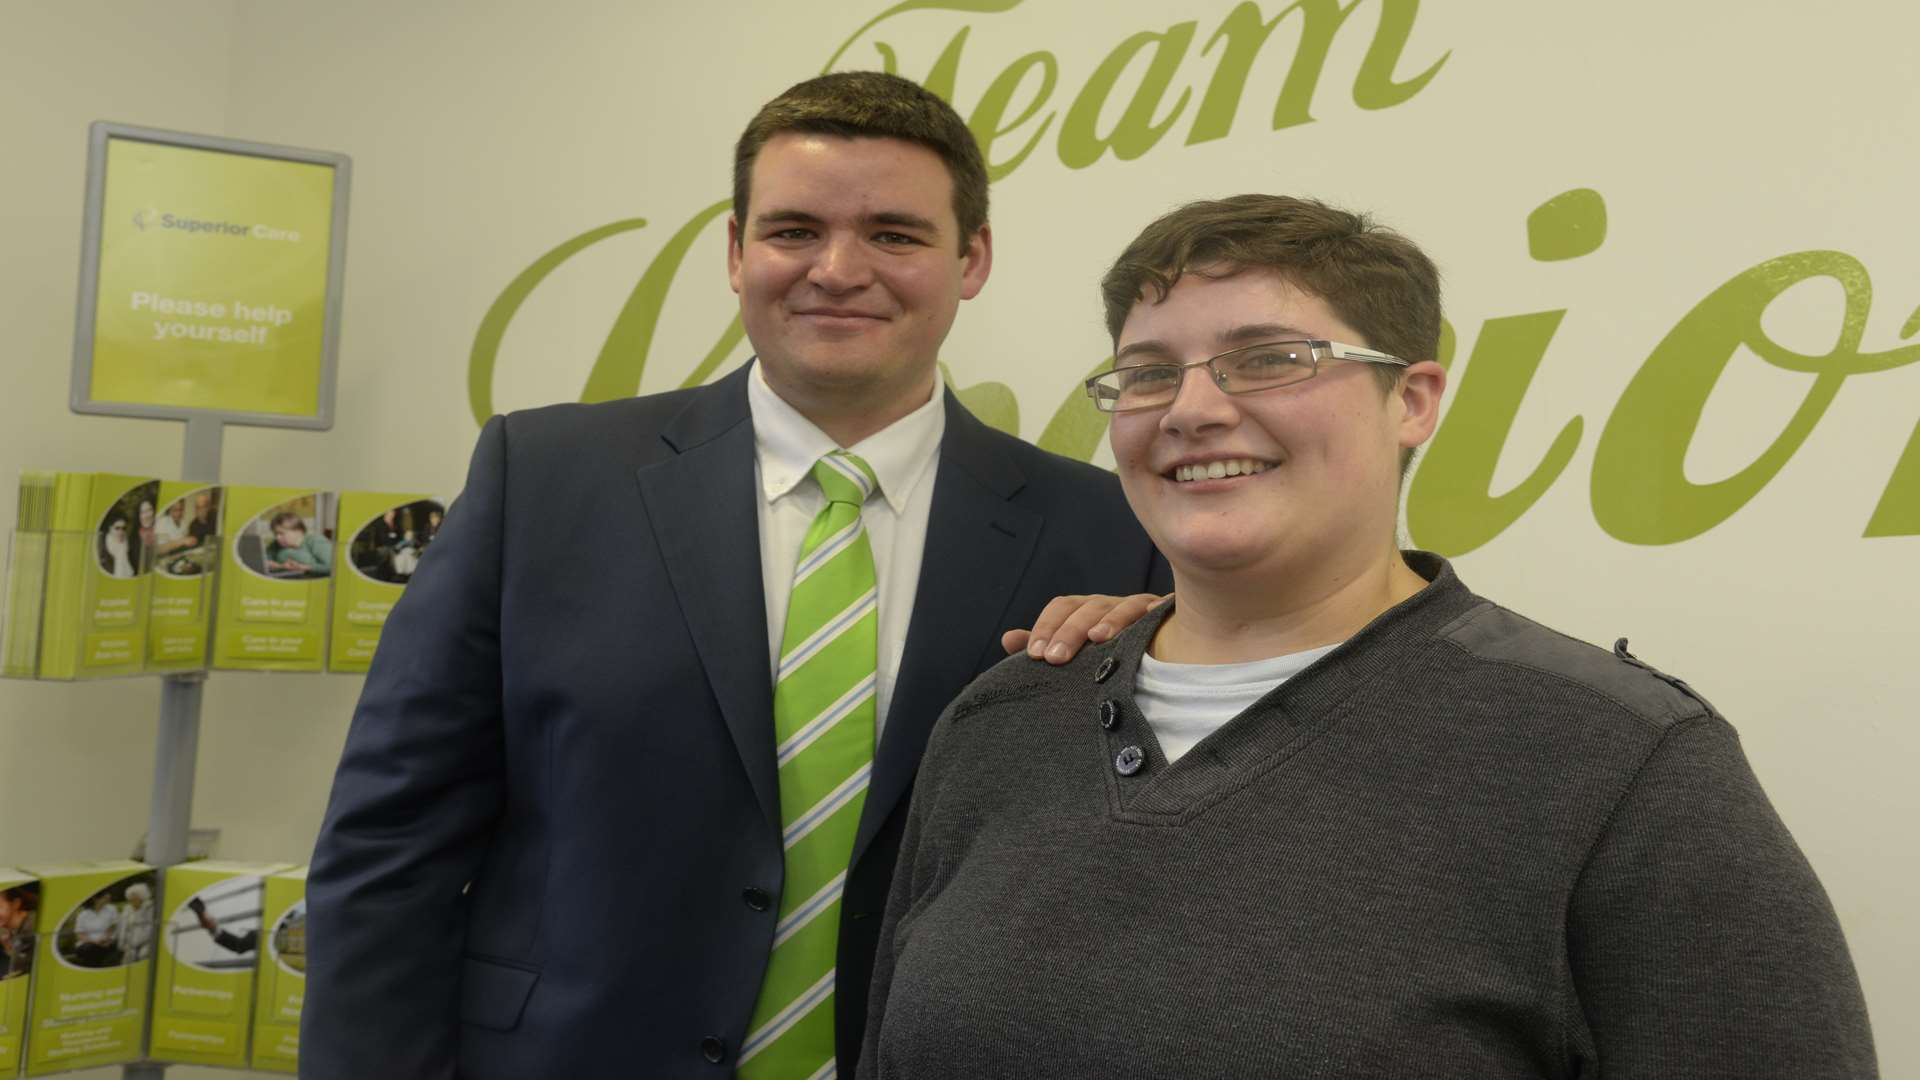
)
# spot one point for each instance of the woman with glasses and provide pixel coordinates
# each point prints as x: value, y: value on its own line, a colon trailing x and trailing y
x: 1329, y: 813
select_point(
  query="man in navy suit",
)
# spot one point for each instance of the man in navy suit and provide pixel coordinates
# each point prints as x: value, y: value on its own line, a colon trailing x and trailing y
x: 554, y: 845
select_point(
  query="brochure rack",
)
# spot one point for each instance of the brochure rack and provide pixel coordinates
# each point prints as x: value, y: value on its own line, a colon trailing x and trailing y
x: 114, y: 370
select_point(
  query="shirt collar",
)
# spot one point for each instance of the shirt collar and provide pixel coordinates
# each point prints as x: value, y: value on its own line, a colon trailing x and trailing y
x: 787, y: 444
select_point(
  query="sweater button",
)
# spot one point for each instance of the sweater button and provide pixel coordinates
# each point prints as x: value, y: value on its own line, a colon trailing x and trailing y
x: 713, y: 1048
x: 1130, y: 760
x: 1105, y: 669
x: 1109, y: 715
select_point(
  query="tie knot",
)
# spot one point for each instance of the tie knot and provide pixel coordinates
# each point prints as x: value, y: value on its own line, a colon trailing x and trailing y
x: 845, y: 478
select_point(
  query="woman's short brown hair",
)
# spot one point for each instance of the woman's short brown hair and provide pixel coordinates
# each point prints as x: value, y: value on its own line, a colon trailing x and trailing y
x: 1376, y: 280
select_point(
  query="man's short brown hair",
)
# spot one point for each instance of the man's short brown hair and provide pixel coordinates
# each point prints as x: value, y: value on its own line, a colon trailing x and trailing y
x: 872, y: 105
x: 1377, y: 281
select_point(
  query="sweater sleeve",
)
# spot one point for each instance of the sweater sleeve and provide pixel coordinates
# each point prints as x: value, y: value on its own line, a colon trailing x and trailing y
x: 915, y: 880
x: 1699, y: 941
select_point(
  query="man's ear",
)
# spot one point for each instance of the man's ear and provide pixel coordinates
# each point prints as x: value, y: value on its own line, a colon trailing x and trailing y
x: 977, y: 260
x: 733, y: 252
x: 1419, y: 392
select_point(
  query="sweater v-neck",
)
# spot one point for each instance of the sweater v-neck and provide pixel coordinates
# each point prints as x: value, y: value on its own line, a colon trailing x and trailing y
x: 1268, y: 733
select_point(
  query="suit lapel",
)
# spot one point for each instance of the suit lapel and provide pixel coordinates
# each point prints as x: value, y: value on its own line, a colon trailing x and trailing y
x: 703, y: 508
x: 978, y: 546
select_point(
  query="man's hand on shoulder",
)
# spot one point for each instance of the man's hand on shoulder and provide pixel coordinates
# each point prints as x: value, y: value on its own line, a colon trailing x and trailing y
x: 1069, y: 622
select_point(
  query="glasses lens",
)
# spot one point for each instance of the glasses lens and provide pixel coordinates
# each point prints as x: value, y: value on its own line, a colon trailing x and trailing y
x: 1140, y: 387
x: 1264, y: 366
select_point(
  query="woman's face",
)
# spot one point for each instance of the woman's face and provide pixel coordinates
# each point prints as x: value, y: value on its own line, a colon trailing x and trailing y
x: 1317, y: 462
x: 146, y: 514
x: 117, y: 533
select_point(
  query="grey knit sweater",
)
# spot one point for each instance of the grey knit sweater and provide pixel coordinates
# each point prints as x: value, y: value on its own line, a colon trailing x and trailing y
x: 1460, y: 845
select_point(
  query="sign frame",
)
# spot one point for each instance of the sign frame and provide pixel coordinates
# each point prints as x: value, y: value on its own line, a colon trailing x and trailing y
x: 81, y: 400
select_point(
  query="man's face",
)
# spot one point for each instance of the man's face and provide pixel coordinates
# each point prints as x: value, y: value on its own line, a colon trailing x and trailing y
x: 850, y: 268
x: 177, y: 511
x: 1318, y: 461
x: 289, y: 535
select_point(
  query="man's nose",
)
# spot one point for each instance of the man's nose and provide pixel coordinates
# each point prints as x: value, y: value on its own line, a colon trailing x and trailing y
x: 842, y: 265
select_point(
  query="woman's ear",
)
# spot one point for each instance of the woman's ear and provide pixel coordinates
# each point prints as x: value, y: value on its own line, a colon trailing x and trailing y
x: 1419, y: 392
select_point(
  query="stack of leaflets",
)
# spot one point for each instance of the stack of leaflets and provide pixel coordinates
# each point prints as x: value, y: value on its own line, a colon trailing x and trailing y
x: 281, y: 987
x: 186, y: 562
x: 385, y: 535
x: 19, y: 914
x: 276, y: 566
x: 27, y: 577
x: 78, y: 597
x: 91, y: 966
x: 204, y: 973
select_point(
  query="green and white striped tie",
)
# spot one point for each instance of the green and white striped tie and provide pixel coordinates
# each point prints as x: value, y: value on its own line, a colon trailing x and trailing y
x: 823, y: 716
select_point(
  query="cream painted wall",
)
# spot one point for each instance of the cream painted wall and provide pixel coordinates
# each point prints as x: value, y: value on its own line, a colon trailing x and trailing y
x: 484, y: 134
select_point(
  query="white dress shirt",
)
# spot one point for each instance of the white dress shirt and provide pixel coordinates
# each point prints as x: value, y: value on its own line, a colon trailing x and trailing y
x: 902, y: 455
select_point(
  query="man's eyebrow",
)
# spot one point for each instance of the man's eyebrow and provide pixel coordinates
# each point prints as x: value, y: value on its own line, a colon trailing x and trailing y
x: 801, y: 217
x: 904, y: 220
x: 896, y: 218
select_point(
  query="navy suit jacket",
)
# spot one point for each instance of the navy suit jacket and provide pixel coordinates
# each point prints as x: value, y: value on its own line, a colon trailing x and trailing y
x: 559, y: 785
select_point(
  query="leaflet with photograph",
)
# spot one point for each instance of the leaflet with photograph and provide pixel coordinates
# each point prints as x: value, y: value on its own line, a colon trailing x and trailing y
x: 186, y: 562
x: 209, y: 948
x: 385, y: 536
x: 91, y: 966
x: 276, y: 569
x: 93, y: 620
x: 27, y: 576
x: 19, y: 914
x: 282, y: 983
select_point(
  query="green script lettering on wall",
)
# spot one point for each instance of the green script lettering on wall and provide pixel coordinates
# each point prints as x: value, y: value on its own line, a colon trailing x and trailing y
x: 1450, y: 507
x: 1245, y: 35
x: 1640, y: 490
x: 1136, y: 131
x: 623, y: 357
x: 1144, y: 123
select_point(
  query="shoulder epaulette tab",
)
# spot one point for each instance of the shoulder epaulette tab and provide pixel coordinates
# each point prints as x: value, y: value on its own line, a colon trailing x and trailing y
x: 1620, y: 650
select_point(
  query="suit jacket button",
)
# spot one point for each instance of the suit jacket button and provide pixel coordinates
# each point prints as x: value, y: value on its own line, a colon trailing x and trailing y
x: 1130, y: 760
x: 1105, y: 669
x: 757, y: 899
x: 1109, y: 715
x: 713, y: 1048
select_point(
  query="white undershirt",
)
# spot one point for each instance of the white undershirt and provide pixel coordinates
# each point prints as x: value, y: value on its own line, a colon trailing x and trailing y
x: 1184, y: 703
x: 903, y: 456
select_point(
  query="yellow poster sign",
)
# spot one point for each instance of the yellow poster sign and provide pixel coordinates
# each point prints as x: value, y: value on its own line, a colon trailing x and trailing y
x: 212, y: 286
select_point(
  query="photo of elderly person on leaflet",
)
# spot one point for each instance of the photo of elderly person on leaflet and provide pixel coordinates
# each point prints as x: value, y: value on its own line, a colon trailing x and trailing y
x: 1329, y: 813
